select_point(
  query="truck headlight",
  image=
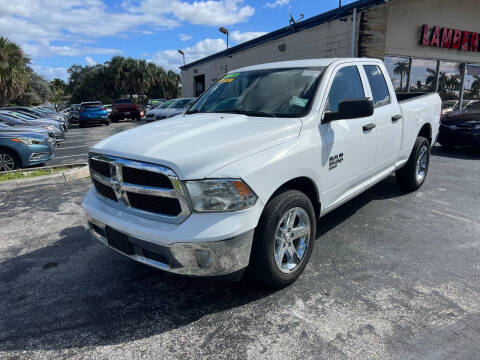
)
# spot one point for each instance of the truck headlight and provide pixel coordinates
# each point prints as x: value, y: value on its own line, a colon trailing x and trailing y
x: 220, y: 195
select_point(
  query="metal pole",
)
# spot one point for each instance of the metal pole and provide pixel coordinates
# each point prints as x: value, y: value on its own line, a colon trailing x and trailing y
x: 437, y: 77
x: 408, y: 73
x: 354, y: 30
x: 462, y: 85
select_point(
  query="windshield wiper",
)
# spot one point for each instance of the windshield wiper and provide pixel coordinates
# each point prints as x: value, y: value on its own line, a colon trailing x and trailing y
x: 246, y: 112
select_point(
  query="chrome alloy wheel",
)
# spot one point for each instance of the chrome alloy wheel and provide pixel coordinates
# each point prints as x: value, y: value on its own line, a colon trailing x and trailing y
x: 422, y: 164
x: 292, y: 238
x: 7, y: 162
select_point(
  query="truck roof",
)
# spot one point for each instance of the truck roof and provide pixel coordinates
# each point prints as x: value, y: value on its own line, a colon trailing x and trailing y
x: 304, y: 63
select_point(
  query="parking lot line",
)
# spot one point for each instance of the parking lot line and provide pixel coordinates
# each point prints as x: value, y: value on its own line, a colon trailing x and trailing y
x: 71, y: 147
x: 68, y: 156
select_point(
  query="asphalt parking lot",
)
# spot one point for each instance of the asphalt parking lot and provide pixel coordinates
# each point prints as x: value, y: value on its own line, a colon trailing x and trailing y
x: 392, y: 276
x: 78, y: 141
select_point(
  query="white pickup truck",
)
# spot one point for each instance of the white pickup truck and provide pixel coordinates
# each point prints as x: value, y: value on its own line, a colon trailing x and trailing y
x: 239, y: 180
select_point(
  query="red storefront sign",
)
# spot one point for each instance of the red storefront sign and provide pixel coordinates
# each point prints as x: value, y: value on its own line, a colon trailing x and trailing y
x: 449, y: 38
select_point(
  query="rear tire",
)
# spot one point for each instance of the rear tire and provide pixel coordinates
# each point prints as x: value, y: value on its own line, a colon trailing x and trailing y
x: 107, y: 123
x: 413, y: 174
x: 282, y: 245
x: 9, y: 160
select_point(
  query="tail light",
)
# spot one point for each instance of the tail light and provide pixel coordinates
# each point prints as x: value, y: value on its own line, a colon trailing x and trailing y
x: 103, y: 108
x: 136, y: 106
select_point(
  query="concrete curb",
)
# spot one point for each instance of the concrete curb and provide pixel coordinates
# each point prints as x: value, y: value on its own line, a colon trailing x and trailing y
x: 63, y: 177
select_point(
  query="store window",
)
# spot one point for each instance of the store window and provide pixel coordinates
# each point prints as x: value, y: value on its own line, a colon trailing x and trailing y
x: 422, y: 75
x: 397, y: 68
x: 472, y: 82
x: 449, y: 80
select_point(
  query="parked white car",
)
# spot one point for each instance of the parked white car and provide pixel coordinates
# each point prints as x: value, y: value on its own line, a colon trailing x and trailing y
x: 240, y: 180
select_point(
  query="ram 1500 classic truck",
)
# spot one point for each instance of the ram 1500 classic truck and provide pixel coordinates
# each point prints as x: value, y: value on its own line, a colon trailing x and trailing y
x: 239, y: 180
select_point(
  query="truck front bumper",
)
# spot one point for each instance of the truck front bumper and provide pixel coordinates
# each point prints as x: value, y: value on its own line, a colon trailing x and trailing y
x: 203, y: 245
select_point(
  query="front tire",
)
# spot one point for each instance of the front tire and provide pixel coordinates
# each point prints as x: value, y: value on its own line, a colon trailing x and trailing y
x: 413, y: 174
x: 283, y: 240
x: 9, y: 161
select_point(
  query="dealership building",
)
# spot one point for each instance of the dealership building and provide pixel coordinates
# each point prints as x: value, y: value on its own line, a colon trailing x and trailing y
x: 427, y: 45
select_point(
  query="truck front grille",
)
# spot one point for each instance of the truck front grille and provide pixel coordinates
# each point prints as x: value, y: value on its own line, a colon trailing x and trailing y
x: 100, y: 167
x: 104, y: 190
x: 145, y: 178
x: 167, y: 206
x: 145, y: 189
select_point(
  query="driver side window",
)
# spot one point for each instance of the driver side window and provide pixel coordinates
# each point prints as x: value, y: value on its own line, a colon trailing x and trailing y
x: 346, y: 85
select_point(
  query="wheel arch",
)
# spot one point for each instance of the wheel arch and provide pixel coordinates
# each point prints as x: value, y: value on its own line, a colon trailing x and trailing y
x: 426, y: 131
x: 19, y: 158
x: 305, y: 185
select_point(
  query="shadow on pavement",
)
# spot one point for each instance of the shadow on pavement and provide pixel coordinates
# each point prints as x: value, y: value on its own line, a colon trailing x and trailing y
x: 463, y: 153
x: 77, y: 293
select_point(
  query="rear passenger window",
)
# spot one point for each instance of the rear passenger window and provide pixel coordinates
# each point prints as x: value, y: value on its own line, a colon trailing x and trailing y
x: 346, y: 85
x: 377, y: 82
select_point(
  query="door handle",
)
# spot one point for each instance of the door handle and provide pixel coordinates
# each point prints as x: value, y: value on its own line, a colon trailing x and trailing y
x: 369, y: 127
x: 396, y: 118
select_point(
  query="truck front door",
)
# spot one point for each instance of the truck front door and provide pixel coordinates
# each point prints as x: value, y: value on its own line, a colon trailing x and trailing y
x: 348, y: 154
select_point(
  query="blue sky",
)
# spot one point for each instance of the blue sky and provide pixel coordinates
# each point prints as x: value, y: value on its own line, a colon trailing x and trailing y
x: 57, y: 34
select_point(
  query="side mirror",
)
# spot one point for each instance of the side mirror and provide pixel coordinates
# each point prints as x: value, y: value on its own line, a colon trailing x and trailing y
x: 351, y: 109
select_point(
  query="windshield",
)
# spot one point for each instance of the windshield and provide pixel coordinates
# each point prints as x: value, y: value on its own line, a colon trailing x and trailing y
x: 166, y: 104
x: 181, y: 103
x: 286, y: 92
x: 18, y: 115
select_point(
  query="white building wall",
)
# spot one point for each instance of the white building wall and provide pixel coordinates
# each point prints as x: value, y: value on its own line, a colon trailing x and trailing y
x: 332, y: 39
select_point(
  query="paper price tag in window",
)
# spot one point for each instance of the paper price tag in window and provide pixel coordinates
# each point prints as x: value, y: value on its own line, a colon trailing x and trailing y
x: 295, y: 100
x: 310, y: 73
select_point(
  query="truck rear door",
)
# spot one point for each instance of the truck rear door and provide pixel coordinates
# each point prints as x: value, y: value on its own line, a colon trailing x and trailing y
x: 388, y: 118
x: 350, y: 144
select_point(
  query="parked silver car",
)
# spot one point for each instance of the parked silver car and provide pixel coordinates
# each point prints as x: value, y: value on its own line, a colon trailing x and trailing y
x: 169, y: 109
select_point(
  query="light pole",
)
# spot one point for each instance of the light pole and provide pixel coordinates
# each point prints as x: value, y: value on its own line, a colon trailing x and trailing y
x: 183, y: 55
x: 224, y: 31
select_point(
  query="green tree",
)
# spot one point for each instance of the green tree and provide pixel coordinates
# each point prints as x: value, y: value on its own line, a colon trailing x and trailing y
x: 401, y: 68
x: 13, y: 70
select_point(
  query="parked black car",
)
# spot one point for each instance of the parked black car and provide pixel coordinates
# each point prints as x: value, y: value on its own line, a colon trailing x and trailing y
x: 461, y: 127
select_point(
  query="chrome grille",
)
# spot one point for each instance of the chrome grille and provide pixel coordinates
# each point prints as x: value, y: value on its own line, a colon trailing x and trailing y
x: 144, y: 189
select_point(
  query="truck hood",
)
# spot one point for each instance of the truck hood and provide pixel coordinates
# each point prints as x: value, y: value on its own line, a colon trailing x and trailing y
x: 196, y: 145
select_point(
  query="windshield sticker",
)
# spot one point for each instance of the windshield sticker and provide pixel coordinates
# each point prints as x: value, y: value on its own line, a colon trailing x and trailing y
x: 234, y: 75
x: 298, y: 101
x: 310, y: 73
x: 226, y: 80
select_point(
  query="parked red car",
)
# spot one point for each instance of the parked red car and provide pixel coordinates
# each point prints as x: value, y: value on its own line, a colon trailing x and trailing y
x: 124, y: 108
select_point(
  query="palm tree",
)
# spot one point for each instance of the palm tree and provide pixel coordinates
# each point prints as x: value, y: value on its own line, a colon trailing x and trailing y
x: 13, y: 70
x: 401, y: 68
x: 476, y: 85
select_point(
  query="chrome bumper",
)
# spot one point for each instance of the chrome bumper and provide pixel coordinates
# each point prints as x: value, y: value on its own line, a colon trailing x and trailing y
x: 215, y: 258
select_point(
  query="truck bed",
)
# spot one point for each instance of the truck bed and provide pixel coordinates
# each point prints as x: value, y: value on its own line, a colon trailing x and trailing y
x: 404, y: 96
x: 418, y: 109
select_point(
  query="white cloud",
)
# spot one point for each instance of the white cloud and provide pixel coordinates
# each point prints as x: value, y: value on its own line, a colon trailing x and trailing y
x: 90, y: 62
x: 172, y: 60
x: 240, y: 37
x: 51, y: 73
x: 277, y: 3
x: 223, y: 12
x: 40, y: 25
x: 184, y: 37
